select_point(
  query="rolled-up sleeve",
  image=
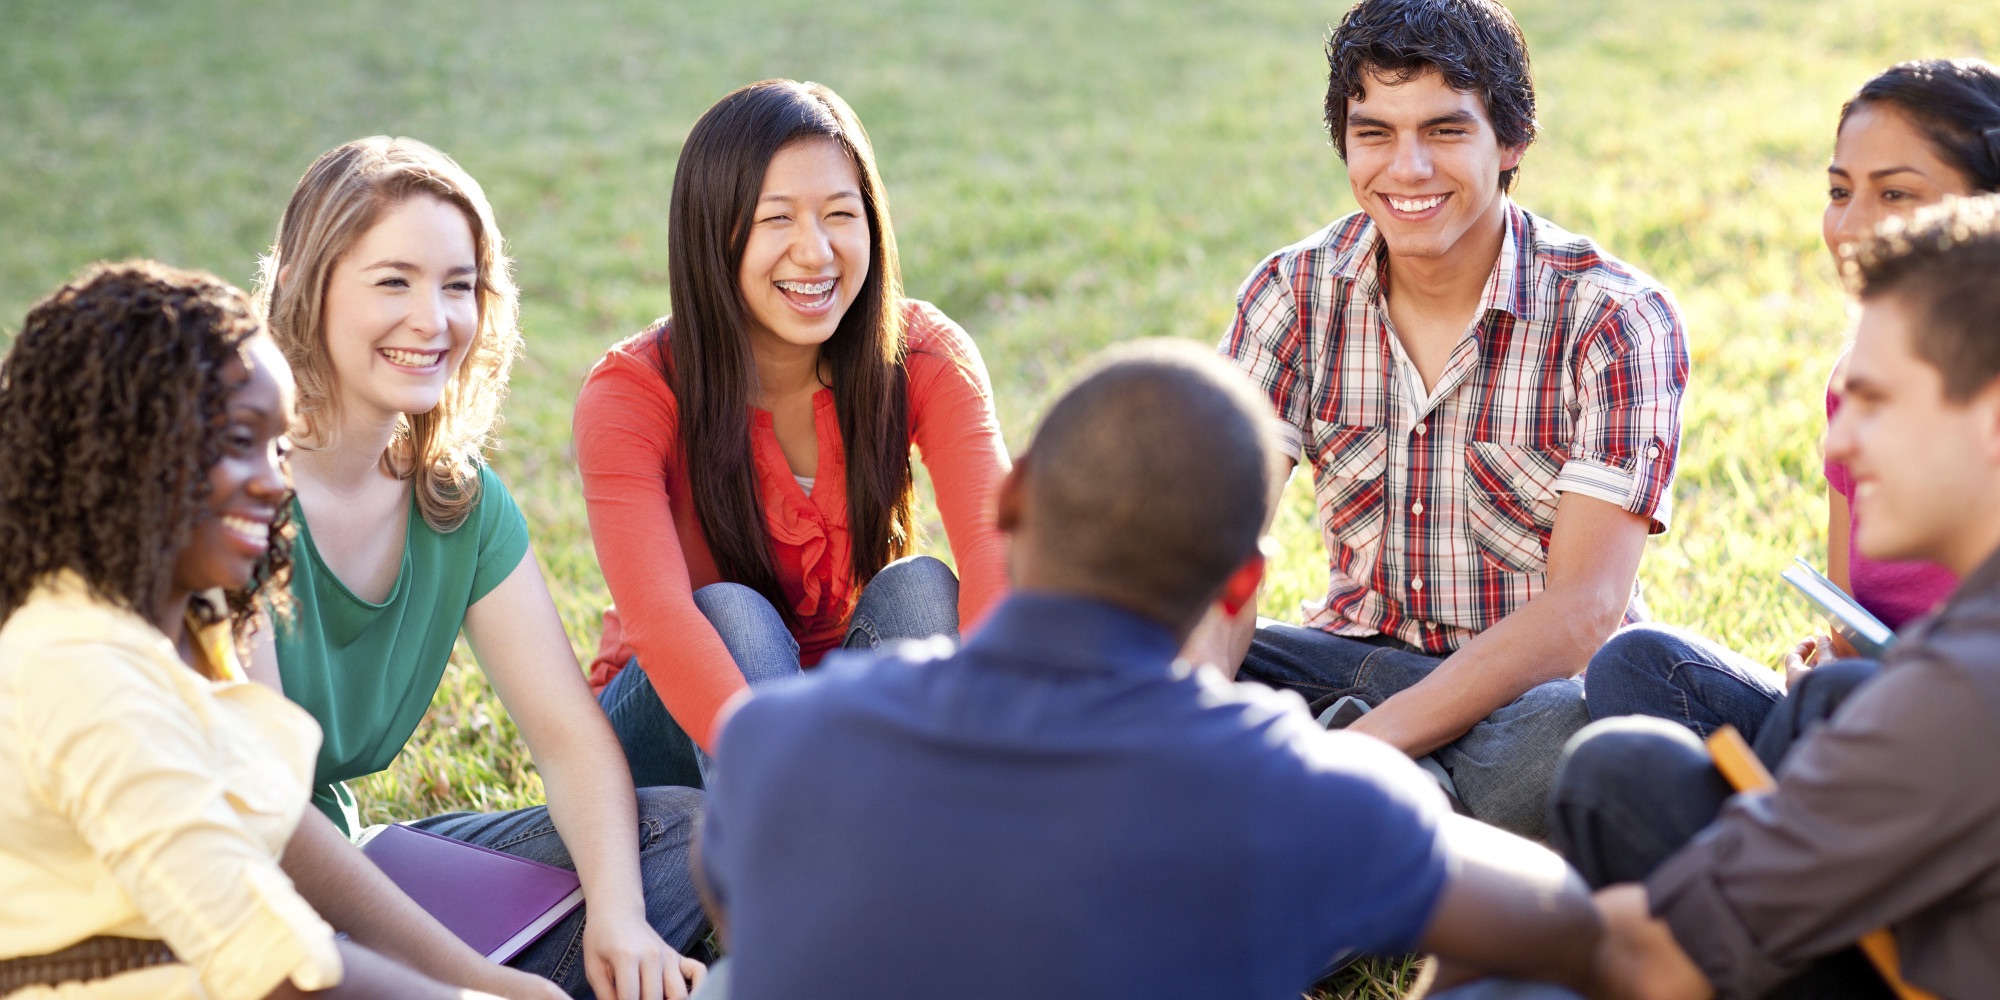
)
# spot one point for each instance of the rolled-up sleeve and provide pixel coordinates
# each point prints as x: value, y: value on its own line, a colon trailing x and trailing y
x: 1632, y: 374
x: 1265, y: 341
x: 131, y: 772
x: 1867, y: 827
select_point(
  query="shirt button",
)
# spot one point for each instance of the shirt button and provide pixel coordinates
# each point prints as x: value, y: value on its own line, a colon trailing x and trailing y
x: 1417, y: 508
x: 1653, y: 452
x: 1430, y: 626
x: 1416, y: 583
x: 1421, y: 428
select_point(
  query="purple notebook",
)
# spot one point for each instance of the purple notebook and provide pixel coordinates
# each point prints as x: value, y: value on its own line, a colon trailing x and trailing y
x: 497, y: 903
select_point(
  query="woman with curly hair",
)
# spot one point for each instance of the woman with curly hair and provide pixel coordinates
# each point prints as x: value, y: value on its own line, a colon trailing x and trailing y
x: 146, y: 790
x: 746, y: 461
x: 389, y: 291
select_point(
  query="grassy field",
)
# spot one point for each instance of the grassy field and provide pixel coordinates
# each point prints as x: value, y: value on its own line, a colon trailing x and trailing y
x: 1062, y: 175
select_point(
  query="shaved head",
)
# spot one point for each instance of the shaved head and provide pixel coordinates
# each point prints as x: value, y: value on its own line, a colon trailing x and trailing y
x: 1148, y: 482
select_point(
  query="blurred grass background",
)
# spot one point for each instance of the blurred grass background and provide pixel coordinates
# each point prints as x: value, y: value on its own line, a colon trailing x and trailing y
x: 1062, y: 176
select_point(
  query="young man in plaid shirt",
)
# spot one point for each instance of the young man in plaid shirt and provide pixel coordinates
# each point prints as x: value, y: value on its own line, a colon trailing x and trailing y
x: 1491, y: 407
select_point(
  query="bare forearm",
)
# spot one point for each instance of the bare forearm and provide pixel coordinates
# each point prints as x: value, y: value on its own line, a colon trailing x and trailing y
x: 594, y: 808
x: 367, y: 975
x: 353, y: 895
x: 1838, y: 525
x: 1551, y: 637
x: 1511, y: 907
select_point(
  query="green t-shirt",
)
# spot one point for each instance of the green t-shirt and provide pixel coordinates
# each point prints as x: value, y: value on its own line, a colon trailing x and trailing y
x: 367, y: 671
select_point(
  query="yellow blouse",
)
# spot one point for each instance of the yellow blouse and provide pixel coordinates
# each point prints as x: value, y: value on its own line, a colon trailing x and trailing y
x: 140, y: 799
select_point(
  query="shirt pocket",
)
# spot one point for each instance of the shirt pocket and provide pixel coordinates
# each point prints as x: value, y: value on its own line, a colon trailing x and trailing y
x: 1348, y: 467
x: 1511, y: 501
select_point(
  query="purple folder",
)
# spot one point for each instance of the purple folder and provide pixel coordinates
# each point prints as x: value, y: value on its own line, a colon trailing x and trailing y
x: 497, y: 903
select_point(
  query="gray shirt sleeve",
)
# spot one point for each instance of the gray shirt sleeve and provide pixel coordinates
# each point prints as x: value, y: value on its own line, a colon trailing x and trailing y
x: 1879, y: 814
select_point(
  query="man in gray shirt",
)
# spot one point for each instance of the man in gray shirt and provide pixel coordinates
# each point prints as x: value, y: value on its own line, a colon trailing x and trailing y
x: 1886, y: 814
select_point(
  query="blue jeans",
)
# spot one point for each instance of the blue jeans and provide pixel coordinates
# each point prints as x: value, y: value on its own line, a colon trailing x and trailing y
x: 668, y: 818
x: 1672, y: 674
x: 1503, y: 766
x: 1630, y: 791
x: 912, y: 598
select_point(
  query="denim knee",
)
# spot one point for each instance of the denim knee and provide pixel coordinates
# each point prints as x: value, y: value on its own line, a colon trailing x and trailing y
x: 1672, y: 674
x: 733, y: 607
x: 1505, y: 766
x: 915, y: 576
x: 915, y: 597
x: 1628, y: 792
x: 1633, y: 750
x: 667, y: 808
x: 752, y: 629
x: 1634, y: 655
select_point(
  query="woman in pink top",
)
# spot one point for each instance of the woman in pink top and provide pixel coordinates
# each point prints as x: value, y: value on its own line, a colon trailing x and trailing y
x: 1916, y: 134
x: 746, y: 461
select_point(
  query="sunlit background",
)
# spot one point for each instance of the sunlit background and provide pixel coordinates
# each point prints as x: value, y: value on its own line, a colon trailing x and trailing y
x: 1062, y: 175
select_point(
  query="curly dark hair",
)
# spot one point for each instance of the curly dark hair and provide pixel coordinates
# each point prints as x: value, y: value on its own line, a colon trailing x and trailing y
x: 1474, y: 44
x: 112, y: 411
x: 1939, y: 266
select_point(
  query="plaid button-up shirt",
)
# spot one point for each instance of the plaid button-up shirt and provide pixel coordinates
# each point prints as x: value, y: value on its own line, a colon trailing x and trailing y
x: 1436, y: 512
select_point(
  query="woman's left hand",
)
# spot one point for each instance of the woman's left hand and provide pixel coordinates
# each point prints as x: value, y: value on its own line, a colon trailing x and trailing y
x: 624, y: 959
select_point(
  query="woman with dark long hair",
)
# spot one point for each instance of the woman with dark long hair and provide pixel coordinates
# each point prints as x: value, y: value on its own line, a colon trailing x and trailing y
x: 746, y: 461
x: 146, y: 790
x: 1916, y: 134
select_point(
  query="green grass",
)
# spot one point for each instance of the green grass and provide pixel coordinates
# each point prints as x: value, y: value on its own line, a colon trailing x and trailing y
x: 1063, y: 176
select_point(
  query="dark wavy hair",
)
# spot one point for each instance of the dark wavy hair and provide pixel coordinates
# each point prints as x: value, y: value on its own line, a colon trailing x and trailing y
x: 704, y: 348
x: 1474, y: 44
x: 1955, y: 103
x: 112, y: 410
x: 1942, y: 266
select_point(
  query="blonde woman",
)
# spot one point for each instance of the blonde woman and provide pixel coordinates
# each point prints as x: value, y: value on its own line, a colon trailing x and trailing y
x: 389, y: 291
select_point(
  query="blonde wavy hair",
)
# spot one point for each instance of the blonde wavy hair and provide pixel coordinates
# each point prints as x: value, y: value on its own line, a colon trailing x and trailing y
x: 342, y: 195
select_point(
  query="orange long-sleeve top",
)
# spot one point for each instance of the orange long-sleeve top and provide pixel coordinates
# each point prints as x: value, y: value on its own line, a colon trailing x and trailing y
x: 649, y: 540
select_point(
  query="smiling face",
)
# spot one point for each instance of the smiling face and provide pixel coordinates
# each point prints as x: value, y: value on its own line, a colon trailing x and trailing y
x: 246, y: 485
x: 1921, y: 461
x: 808, y: 251
x: 402, y: 310
x: 1883, y: 168
x: 1425, y: 163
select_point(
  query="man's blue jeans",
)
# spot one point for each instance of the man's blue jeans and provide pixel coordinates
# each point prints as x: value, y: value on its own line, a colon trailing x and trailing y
x: 1672, y: 674
x: 912, y: 598
x: 1630, y: 791
x: 1503, y: 767
x: 668, y: 818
